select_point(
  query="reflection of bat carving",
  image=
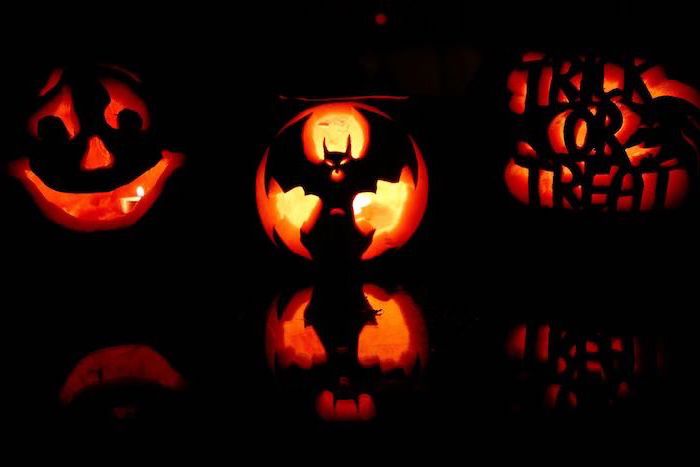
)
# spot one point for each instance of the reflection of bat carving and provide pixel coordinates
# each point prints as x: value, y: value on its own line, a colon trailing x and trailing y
x: 349, y: 343
x: 341, y: 174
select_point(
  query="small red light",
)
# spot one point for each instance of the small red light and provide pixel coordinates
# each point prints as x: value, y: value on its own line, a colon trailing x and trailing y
x: 380, y: 19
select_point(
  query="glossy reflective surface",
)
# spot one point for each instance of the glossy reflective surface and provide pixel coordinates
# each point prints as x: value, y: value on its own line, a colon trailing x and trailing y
x: 497, y: 330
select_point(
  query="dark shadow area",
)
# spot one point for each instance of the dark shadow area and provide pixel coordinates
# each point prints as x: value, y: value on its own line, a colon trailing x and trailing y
x: 197, y: 279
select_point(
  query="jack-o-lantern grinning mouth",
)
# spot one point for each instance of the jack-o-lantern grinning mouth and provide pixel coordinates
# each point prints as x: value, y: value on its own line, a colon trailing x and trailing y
x: 109, y: 210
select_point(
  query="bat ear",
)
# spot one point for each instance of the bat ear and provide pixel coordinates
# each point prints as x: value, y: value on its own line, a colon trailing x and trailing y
x: 348, y: 148
x: 325, y: 148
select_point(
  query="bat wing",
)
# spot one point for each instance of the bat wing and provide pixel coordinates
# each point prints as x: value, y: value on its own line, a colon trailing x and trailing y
x: 288, y: 165
x: 389, y: 151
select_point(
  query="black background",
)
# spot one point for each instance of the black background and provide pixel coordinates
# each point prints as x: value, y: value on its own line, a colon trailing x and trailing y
x: 195, y: 276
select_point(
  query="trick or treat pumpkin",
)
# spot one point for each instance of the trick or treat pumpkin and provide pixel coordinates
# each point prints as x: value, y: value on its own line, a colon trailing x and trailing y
x: 348, y: 351
x: 341, y: 179
x: 567, y: 367
x: 91, y: 163
x: 120, y: 384
x: 604, y: 135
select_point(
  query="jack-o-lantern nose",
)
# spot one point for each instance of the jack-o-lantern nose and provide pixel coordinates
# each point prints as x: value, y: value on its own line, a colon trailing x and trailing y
x: 97, y: 156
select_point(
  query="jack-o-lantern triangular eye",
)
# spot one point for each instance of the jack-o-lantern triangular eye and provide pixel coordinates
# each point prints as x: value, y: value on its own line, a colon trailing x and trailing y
x: 125, y: 108
x: 58, y: 108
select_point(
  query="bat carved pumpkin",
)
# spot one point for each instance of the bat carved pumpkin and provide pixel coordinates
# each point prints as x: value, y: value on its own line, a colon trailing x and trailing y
x: 92, y: 164
x: 594, y: 134
x: 344, y: 173
x: 579, y: 366
x: 347, y: 351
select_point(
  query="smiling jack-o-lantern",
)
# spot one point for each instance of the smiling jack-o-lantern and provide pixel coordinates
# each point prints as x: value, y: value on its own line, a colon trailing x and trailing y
x: 120, y: 383
x: 92, y: 165
x: 585, y: 367
x: 596, y: 134
x: 349, y: 346
x: 341, y: 176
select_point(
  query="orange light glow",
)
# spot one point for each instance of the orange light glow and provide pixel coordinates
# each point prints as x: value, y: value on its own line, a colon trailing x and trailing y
x: 390, y: 214
x: 678, y: 186
x: 61, y: 107
x: 517, y: 178
x: 575, y: 365
x: 660, y: 86
x: 335, y: 125
x: 638, y: 153
x: 546, y: 188
x: 614, y: 77
x: 532, y: 56
x: 120, y: 364
x: 88, y: 212
x: 515, y: 342
x: 630, y: 123
x: 580, y: 132
x: 597, y: 184
x: 394, y: 211
x: 97, y: 156
x: 399, y: 338
x: 552, y: 395
x: 380, y: 19
x: 542, y: 349
x: 122, y: 97
x: 544, y: 86
x: 525, y: 149
x: 286, y: 213
x: 331, y: 409
x: 517, y: 85
x: 52, y: 82
x: 556, y: 132
x: 396, y: 339
x: 289, y: 341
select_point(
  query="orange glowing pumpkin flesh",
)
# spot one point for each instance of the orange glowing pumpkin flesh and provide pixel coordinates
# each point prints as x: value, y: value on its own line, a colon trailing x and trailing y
x: 123, y: 364
x: 113, y: 209
x: 594, y: 154
x: 580, y: 367
x: 397, y: 340
x: 88, y: 212
x: 390, y: 214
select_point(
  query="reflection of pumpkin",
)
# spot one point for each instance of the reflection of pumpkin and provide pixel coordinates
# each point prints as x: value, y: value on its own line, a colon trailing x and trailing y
x: 117, y: 379
x: 92, y: 165
x: 579, y: 366
x: 345, y: 162
x: 392, y: 341
x: 615, y: 136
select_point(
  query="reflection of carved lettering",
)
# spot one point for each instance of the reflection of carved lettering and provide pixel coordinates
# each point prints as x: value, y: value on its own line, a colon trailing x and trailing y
x: 594, y: 134
x: 575, y: 366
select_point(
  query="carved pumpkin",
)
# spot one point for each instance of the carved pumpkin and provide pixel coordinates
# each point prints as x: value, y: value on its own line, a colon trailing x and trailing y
x: 348, y: 352
x: 596, y: 134
x: 92, y: 164
x: 579, y: 366
x: 118, y: 383
x: 344, y: 174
